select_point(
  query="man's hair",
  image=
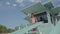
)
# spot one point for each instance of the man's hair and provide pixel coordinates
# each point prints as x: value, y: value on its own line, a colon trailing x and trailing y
x: 32, y: 14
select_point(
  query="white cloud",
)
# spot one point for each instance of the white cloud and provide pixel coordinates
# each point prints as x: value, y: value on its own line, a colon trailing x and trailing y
x: 35, y: 1
x: 56, y: 3
x: 32, y: 0
x: 8, y: 3
x: 19, y: 1
x: 14, y: 5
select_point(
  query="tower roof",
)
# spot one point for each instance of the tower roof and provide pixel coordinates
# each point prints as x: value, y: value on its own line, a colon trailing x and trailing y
x: 39, y: 8
x: 36, y: 8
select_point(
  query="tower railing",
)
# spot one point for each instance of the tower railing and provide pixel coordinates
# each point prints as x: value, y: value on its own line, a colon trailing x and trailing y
x: 26, y: 29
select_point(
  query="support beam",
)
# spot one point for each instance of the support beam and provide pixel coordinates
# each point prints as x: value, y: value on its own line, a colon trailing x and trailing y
x: 49, y: 17
x: 56, y: 29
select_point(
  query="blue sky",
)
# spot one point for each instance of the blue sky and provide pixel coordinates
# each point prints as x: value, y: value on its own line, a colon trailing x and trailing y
x: 10, y: 11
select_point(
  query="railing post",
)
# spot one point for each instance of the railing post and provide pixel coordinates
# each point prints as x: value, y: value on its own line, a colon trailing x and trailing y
x: 38, y: 30
x: 49, y: 17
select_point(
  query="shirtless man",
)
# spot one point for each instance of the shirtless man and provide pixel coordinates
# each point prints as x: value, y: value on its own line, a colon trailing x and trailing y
x: 33, y: 18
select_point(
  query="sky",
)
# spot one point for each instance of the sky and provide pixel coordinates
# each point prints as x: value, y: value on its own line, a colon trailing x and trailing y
x: 10, y: 11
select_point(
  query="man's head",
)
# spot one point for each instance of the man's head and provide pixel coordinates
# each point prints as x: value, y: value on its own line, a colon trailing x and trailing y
x: 32, y: 15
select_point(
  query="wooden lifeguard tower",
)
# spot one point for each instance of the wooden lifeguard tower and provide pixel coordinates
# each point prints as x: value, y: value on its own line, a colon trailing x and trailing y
x: 48, y: 25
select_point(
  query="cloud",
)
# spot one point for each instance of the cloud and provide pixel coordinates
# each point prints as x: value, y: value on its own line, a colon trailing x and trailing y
x: 32, y: 0
x: 24, y: 2
x: 56, y: 3
x: 8, y: 3
x: 35, y: 1
x: 19, y: 1
x: 14, y: 5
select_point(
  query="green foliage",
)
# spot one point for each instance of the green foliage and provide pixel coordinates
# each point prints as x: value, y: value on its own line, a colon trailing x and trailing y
x: 17, y: 27
x: 3, y: 29
x: 10, y: 30
x: 49, y: 6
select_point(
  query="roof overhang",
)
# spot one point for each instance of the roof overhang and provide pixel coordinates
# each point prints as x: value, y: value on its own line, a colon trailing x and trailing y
x: 55, y: 10
x: 36, y: 8
x: 28, y: 17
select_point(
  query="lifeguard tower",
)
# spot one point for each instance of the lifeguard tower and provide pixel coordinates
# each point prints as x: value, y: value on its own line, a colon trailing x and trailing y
x: 48, y: 25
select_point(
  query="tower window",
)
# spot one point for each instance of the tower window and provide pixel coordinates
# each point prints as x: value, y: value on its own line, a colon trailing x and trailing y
x: 42, y: 17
